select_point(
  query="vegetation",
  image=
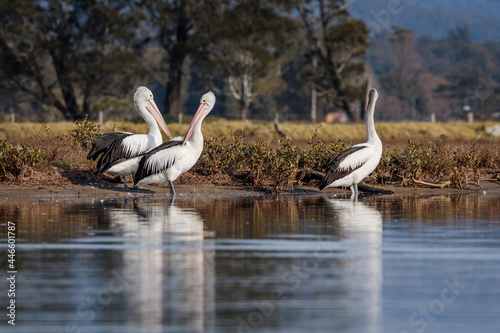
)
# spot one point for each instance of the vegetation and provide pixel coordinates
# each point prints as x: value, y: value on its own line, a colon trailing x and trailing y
x: 243, y: 157
x: 297, y: 59
x: 260, y: 165
x: 64, y: 55
x: 18, y: 160
x: 61, y: 59
x: 436, y: 161
x: 337, y: 43
x: 446, y: 77
x: 85, y: 133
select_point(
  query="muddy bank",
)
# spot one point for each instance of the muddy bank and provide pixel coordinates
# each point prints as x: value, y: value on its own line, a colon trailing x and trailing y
x: 107, y: 191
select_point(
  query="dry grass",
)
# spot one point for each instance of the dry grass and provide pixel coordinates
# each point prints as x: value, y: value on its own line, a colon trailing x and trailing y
x: 257, y: 130
x: 252, y: 152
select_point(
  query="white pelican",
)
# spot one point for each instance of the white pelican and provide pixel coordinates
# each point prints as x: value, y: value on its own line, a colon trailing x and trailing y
x: 117, y: 149
x: 172, y: 158
x: 350, y: 166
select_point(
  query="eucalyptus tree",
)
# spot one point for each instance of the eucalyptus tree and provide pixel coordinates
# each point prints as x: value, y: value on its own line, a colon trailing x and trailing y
x: 336, y: 47
x: 249, y: 49
x: 64, y: 53
x: 181, y: 28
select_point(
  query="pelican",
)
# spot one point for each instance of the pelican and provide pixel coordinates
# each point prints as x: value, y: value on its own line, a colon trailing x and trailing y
x: 118, y: 149
x: 172, y: 158
x: 350, y: 166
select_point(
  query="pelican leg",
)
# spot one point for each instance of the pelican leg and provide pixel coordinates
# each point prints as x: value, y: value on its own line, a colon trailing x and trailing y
x: 125, y: 182
x: 136, y: 186
x: 354, y: 189
x: 172, y: 191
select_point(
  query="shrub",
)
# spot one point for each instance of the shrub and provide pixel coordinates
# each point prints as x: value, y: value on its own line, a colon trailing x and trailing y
x: 17, y: 160
x: 85, y: 133
x: 320, y: 152
x: 284, y: 164
x: 221, y: 153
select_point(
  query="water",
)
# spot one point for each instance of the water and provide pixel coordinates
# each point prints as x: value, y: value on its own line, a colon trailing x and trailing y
x: 255, y: 264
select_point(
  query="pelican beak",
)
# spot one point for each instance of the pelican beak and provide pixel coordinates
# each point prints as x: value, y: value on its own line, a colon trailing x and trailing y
x: 200, y: 113
x: 155, y: 112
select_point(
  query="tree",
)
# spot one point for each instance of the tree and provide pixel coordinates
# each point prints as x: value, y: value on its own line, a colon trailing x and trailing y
x: 62, y: 54
x: 405, y: 57
x: 460, y: 34
x: 248, y: 49
x: 470, y: 89
x: 180, y: 27
x: 338, y: 42
x: 402, y: 81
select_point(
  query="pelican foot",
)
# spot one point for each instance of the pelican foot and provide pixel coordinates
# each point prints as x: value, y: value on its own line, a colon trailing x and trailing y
x: 141, y: 188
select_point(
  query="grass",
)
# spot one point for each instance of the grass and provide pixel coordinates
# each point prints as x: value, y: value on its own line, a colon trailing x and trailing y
x: 257, y: 130
x: 252, y: 153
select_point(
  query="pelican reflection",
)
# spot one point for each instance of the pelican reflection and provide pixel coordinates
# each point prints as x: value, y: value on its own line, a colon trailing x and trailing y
x: 173, y: 272
x: 362, y: 225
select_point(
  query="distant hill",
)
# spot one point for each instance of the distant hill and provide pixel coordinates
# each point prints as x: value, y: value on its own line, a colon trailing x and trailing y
x: 432, y: 18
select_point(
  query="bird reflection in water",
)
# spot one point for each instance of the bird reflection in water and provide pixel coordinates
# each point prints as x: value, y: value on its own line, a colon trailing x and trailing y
x: 362, y: 225
x: 173, y: 271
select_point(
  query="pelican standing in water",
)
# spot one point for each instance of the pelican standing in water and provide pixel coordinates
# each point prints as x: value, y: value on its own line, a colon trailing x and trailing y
x: 172, y: 158
x: 350, y: 166
x: 118, y: 149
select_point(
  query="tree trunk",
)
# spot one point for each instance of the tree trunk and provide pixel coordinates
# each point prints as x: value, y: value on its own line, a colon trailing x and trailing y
x: 348, y: 109
x: 70, y: 111
x: 364, y: 99
x: 173, y: 100
x: 314, y: 95
x: 243, y: 109
x: 314, y: 110
x: 338, y: 84
x: 178, y: 53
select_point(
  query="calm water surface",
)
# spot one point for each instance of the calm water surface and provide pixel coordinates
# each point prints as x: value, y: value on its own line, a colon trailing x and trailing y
x: 255, y: 264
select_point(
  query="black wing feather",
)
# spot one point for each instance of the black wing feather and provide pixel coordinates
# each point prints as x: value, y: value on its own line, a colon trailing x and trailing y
x: 108, y: 148
x: 143, y: 172
x: 333, y: 172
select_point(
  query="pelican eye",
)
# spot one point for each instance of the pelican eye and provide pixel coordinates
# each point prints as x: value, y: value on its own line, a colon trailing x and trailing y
x: 150, y: 95
x: 204, y: 101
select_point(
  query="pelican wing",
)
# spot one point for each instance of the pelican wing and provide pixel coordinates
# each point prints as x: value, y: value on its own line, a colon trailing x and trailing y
x: 157, y: 160
x: 109, y: 147
x: 345, y: 162
x: 102, y: 143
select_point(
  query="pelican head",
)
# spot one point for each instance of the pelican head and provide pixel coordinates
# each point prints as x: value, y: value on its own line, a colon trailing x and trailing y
x: 207, y: 102
x: 372, y: 99
x: 143, y: 97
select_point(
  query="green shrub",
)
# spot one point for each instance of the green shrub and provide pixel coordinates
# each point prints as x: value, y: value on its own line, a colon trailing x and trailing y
x: 284, y: 164
x: 320, y: 152
x: 85, y: 133
x: 258, y: 156
x: 221, y: 153
x: 16, y: 160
